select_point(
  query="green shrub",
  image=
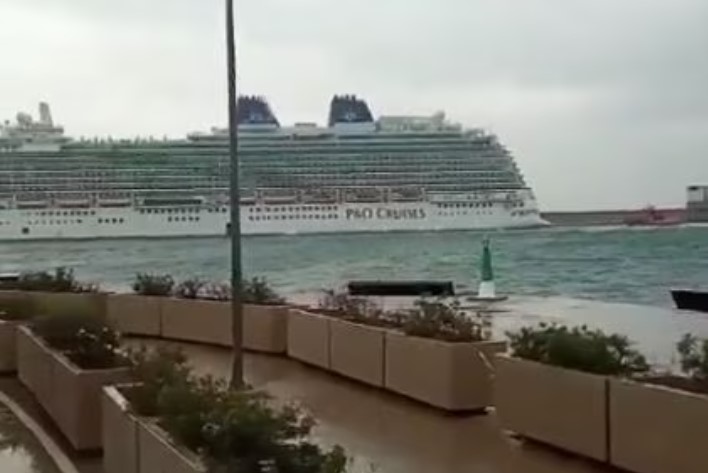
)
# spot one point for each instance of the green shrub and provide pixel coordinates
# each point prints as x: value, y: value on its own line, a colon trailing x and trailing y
x: 16, y: 309
x: 153, y: 370
x: 63, y: 280
x: 87, y: 341
x: 147, y: 284
x: 215, y: 291
x: 694, y: 357
x: 190, y: 289
x: 233, y: 431
x: 259, y: 291
x: 444, y: 321
x: 579, y: 348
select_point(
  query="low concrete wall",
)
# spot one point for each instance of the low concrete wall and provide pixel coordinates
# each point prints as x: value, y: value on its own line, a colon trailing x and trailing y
x: 560, y: 407
x: 357, y: 351
x: 195, y: 320
x: 308, y: 338
x: 119, y: 433
x: 654, y: 429
x: 133, y: 314
x: 265, y: 328
x: 8, y: 346
x: 60, y: 303
x: 452, y: 376
x: 137, y: 445
x: 71, y: 396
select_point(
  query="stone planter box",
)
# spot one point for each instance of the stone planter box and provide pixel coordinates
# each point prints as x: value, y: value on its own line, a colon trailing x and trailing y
x: 450, y: 376
x: 35, y: 366
x: 308, y: 338
x: 119, y: 433
x: 137, y: 445
x: 563, y: 408
x: 656, y: 429
x: 8, y: 328
x: 8, y: 346
x: 50, y: 303
x: 134, y: 314
x: 71, y: 396
x: 265, y: 328
x: 357, y: 351
x: 196, y: 320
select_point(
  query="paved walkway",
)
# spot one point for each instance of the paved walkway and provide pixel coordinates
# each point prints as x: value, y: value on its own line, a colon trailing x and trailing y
x: 382, y: 432
x: 385, y: 433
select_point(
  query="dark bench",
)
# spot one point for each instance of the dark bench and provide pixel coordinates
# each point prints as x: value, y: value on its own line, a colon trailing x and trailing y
x: 401, y: 288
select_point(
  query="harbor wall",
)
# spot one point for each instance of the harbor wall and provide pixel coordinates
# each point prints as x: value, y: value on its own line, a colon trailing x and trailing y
x: 601, y: 217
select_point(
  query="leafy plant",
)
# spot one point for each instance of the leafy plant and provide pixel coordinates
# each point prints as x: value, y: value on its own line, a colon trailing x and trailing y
x: 190, y: 288
x: 444, y: 321
x: 233, y: 431
x: 147, y: 284
x: 87, y: 341
x: 215, y: 291
x: 62, y: 280
x: 153, y: 370
x: 694, y: 357
x: 579, y: 348
x: 259, y: 291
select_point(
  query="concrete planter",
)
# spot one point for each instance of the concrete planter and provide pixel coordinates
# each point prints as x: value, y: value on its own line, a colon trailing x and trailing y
x: 308, y: 338
x: 119, y: 433
x: 156, y: 453
x: 134, y: 314
x: 265, y: 328
x: 8, y: 340
x: 195, y: 320
x: 655, y: 429
x: 450, y: 376
x: 35, y: 366
x: 563, y: 408
x: 137, y: 445
x: 8, y: 346
x: 357, y: 351
x: 50, y: 303
x: 71, y: 396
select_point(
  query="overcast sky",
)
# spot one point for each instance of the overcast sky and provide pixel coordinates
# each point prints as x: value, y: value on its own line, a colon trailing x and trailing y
x: 603, y: 102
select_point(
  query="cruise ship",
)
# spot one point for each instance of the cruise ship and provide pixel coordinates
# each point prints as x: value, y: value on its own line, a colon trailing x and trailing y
x: 357, y: 174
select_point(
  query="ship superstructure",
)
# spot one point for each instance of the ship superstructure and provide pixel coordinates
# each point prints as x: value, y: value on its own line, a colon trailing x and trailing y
x: 355, y: 174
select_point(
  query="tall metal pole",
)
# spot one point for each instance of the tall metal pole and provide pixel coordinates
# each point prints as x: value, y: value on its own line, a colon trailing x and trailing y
x: 235, y: 233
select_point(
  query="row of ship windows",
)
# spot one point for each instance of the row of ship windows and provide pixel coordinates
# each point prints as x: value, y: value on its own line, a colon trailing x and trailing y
x: 54, y: 222
x: 65, y: 213
x: 114, y: 221
x: 42, y: 177
x: 325, y: 208
x: 184, y: 210
x: 461, y: 213
x: 466, y: 205
x: 521, y: 213
x: 258, y: 218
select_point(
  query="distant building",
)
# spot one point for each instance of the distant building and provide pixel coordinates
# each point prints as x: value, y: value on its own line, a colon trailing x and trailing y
x: 697, y: 204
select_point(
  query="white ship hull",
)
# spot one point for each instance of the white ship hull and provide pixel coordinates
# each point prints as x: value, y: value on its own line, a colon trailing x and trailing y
x: 130, y: 222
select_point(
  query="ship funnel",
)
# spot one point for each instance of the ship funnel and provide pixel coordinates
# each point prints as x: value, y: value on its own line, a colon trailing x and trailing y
x: 45, y: 114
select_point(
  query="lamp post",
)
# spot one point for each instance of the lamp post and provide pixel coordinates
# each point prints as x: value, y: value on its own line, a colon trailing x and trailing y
x: 235, y: 200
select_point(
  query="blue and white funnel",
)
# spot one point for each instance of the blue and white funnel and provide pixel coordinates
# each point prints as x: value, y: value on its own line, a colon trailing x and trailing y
x: 487, y: 289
